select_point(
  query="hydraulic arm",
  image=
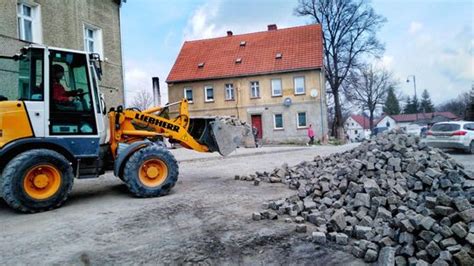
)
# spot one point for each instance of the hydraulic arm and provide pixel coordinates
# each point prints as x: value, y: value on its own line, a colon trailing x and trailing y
x: 201, y: 134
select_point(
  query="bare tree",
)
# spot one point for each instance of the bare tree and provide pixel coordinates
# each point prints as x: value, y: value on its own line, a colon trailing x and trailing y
x: 143, y: 100
x: 367, y: 87
x: 346, y: 110
x: 457, y: 106
x: 470, y: 108
x: 349, y: 32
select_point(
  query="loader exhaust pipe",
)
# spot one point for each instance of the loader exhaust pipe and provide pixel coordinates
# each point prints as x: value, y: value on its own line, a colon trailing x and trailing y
x: 156, y: 91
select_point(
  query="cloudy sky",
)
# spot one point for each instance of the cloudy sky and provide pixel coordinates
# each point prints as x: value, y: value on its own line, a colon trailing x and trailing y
x: 431, y: 39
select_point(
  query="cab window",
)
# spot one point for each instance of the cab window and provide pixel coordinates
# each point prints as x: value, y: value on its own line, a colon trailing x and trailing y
x: 21, y: 78
x: 71, y: 103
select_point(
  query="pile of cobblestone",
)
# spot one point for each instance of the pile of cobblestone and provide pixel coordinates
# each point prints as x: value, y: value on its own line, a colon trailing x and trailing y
x: 392, y: 199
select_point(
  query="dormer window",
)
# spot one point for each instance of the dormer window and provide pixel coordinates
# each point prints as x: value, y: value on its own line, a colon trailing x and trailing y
x: 238, y: 60
x: 243, y: 43
x: 201, y: 65
x: 278, y: 56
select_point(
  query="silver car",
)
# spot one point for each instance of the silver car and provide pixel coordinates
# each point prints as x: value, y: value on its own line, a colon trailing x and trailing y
x: 452, y: 135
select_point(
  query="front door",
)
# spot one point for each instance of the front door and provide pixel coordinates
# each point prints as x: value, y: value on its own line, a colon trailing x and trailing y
x: 257, y: 122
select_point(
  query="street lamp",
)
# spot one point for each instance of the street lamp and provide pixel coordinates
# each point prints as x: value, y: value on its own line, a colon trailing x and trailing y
x: 414, y: 87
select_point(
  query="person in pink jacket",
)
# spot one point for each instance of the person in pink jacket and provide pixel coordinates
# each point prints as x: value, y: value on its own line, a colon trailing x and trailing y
x: 310, y: 135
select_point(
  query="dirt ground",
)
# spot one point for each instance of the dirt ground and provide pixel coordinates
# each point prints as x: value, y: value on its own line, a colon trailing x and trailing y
x: 206, y: 220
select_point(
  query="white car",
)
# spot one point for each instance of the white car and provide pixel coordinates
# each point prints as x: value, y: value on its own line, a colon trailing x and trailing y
x: 413, y: 129
x: 452, y: 135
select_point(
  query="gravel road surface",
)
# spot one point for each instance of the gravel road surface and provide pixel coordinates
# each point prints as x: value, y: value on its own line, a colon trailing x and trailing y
x: 206, y: 219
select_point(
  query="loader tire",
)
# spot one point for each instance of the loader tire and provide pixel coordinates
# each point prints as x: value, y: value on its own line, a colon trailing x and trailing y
x: 151, y: 172
x: 36, y: 180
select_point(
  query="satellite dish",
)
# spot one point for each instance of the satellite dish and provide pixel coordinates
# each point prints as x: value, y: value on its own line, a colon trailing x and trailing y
x: 314, y: 93
x: 287, y: 102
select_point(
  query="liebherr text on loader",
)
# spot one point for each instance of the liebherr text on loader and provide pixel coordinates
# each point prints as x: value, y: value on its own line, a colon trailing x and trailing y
x: 54, y: 127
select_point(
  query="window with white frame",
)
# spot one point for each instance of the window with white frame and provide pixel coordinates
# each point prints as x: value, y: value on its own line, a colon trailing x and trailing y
x: 208, y: 93
x: 188, y: 94
x: 29, y: 22
x: 301, y: 119
x: 229, y: 92
x: 254, y: 89
x: 299, y: 85
x: 276, y: 87
x: 278, y: 121
x: 93, y: 40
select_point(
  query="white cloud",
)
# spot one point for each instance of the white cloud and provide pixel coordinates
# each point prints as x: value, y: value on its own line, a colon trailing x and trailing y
x: 415, y: 27
x: 215, y: 17
x: 138, y: 77
x: 457, y: 59
x: 201, y: 24
x: 386, y: 62
x: 442, y: 61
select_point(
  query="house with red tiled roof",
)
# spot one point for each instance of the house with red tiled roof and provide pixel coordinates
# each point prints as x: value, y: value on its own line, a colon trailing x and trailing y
x: 273, y: 79
x: 357, y: 127
x: 414, y: 121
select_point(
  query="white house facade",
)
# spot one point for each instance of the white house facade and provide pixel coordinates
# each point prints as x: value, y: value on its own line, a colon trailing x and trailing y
x: 357, y: 128
x: 388, y: 122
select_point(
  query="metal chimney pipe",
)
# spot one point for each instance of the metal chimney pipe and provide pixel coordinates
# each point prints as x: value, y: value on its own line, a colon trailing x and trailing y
x: 156, y: 91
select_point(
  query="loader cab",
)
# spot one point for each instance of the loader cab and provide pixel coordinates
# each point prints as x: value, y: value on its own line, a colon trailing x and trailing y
x: 71, y: 95
x: 58, y: 104
x: 64, y: 105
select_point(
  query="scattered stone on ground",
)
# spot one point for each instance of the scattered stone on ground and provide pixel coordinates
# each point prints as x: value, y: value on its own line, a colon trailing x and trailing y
x: 393, y: 199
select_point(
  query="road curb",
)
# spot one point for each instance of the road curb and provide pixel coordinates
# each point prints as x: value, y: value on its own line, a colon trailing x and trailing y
x: 244, y: 155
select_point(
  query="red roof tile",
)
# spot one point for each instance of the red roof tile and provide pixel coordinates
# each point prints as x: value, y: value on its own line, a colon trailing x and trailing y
x: 422, y: 116
x: 300, y: 47
x: 362, y: 120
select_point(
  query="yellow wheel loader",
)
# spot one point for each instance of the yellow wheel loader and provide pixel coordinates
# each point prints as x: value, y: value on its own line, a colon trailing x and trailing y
x: 54, y: 128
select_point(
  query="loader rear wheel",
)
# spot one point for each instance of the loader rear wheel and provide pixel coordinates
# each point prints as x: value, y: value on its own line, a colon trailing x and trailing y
x: 151, y: 172
x: 36, y: 180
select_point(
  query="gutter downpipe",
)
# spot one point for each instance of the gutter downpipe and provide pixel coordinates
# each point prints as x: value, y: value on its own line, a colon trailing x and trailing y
x: 125, y: 102
x: 321, y: 103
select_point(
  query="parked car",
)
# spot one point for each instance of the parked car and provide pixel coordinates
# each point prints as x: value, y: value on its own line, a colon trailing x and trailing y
x: 414, y: 129
x: 452, y: 135
x: 424, y: 131
x: 378, y: 130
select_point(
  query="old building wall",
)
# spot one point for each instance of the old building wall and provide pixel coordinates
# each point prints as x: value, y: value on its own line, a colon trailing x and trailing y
x: 62, y: 25
x: 244, y: 106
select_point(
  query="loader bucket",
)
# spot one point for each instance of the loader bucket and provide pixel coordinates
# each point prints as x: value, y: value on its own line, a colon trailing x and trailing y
x: 215, y: 134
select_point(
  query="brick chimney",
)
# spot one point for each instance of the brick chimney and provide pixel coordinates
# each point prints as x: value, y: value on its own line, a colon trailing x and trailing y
x: 229, y: 33
x: 272, y: 27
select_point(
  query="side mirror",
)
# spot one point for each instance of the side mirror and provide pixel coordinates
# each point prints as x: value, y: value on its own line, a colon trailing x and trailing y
x: 95, y: 59
x: 24, y: 50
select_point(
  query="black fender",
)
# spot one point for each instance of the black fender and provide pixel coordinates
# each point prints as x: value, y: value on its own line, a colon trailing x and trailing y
x: 16, y: 147
x: 125, y: 154
x: 71, y: 148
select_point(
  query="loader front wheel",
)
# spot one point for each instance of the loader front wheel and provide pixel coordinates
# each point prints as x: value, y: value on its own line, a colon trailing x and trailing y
x: 36, y: 180
x: 150, y: 172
